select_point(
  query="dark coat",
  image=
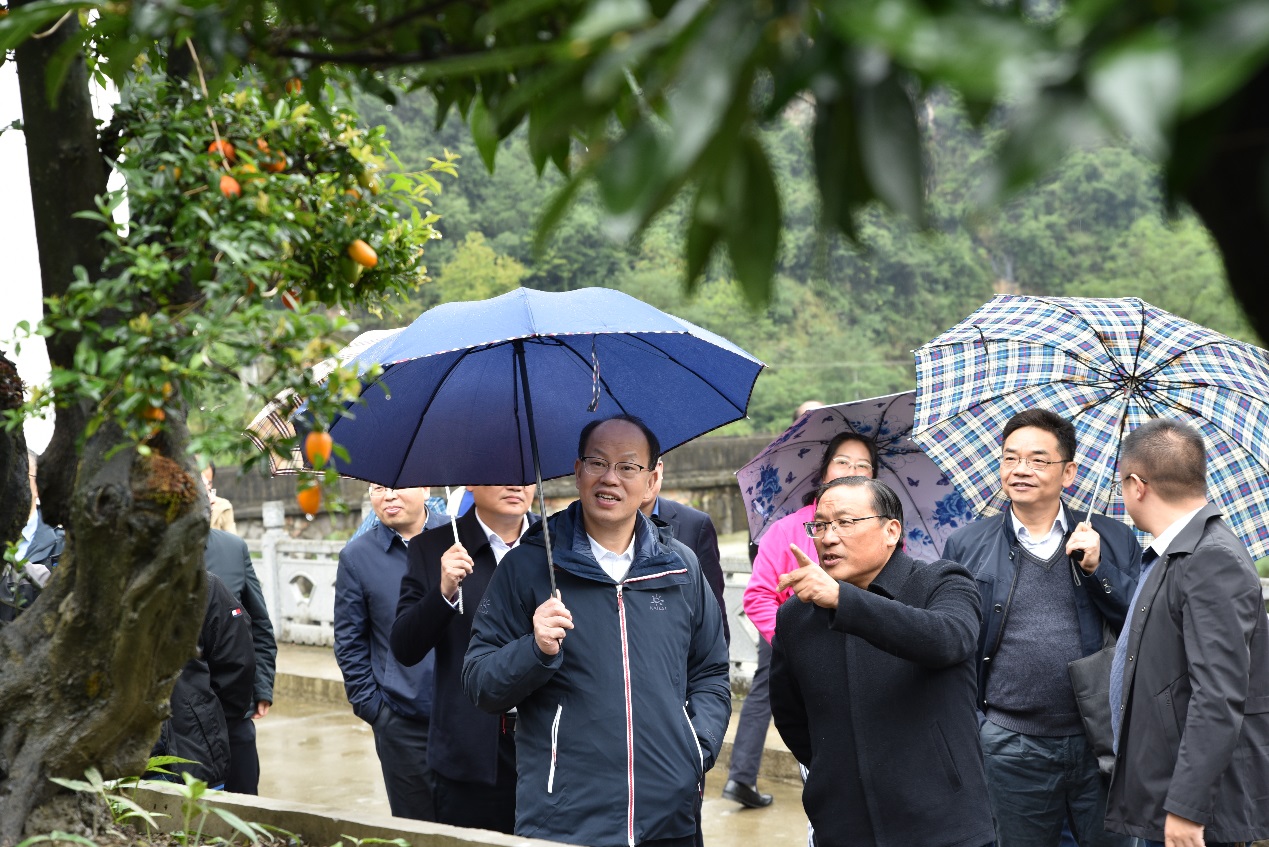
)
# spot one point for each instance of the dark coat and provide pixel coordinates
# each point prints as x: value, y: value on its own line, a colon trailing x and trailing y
x: 616, y: 731
x: 17, y: 589
x: 1195, y: 735
x: 367, y: 588
x: 462, y: 740
x: 695, y: 529
x: 889, y: 677
x: 212, y: 685
x: 227, y: 557
x: 988, y: 548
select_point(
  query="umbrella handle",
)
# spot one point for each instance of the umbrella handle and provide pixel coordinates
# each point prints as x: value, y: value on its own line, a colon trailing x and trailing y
x: 1078, y: 555
x: 453, y: 522
x: 537, y: 466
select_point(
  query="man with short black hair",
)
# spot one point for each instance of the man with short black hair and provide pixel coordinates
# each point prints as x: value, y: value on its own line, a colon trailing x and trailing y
x: 620, y: 678
x: 872, y: 681
x: 394, y: 699
x: 472, y: 754
x: 1189, y: 689
x: 1050, y: 584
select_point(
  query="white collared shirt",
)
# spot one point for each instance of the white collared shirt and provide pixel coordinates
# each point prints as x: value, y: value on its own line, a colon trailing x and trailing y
x: 28, y: 534
x: 616, y: 565
x: 1164, y: 539
x: 501, y: 548
x: 1044, y: 546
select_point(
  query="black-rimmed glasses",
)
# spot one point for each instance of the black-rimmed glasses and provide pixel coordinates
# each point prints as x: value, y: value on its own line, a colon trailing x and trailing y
x: 818, y: 529
x: 595, y: 466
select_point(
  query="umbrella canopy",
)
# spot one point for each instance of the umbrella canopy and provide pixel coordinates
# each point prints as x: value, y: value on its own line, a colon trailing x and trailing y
x: 775, y: 481
x: 455, y: 403
x: 1106, y: 365
x: 275, y: 422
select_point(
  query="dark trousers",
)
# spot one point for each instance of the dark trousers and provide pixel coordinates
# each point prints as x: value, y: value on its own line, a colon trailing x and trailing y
x: 472, y: 804
x: 1037, y: 783
x: 244, y: 761
x: 755, y: 719
x: 401, y: 743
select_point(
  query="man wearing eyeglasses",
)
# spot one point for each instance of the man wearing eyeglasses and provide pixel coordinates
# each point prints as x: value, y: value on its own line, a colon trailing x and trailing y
x: 1189, y: 690
x: 872, y: 681
x: 1050, y: 584
x: 394, y: 699
x: 620, y: 679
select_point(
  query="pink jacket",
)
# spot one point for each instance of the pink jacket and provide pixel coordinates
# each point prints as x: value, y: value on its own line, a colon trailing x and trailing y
x: 774, y: 559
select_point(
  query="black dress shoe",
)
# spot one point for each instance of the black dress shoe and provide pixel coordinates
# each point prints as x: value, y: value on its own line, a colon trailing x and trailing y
x: 746, y: 795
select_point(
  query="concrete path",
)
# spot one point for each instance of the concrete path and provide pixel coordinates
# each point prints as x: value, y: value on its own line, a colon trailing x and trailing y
x: 314, y: 750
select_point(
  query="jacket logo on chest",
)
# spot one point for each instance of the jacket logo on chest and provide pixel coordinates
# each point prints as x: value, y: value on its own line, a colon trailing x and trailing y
x: 657, y: 604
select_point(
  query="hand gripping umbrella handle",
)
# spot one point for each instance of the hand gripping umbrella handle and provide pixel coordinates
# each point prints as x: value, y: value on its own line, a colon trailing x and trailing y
x: 1077, y: 556
x: 453, y: 522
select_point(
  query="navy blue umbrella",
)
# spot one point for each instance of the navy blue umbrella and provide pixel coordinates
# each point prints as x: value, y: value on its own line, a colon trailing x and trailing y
x: 496, y: 392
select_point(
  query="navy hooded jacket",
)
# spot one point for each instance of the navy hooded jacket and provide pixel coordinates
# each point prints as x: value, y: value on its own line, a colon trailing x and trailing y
x: 616, y: 731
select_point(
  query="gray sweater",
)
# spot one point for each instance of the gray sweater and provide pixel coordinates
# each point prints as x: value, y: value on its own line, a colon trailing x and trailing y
x: 1029, y: 689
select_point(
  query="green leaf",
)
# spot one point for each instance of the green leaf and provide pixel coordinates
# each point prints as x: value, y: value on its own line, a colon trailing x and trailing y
x: 73, y: 784
x: 753, y: 230
x: 605, y: 17
x: 1219, y: 54
x: 1138, y: 84
x: 838, y: 164
x: 24, y: 21
x: 57, y: 836
x: 484, y: 132
x: 236, y: 822
x: 890, y: 146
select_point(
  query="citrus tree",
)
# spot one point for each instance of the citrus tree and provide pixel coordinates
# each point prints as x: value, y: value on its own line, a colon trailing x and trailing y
x: 248, y: 217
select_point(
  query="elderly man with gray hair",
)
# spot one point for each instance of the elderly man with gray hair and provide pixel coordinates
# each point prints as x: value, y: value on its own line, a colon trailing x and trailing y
x: 873, y: 683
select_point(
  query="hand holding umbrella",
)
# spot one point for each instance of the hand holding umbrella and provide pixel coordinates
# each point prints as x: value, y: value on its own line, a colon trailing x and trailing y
x: 1085, y: 546
x: 551, y: 621
x: 456, y: 564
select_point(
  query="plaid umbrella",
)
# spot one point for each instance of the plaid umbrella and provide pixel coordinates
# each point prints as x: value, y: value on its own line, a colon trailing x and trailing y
x: 774, y: 482
x: 1106, y: 365
x: 275, y: 422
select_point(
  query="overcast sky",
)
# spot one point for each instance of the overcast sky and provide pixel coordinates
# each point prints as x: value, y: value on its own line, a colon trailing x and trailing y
x: 19, y: 260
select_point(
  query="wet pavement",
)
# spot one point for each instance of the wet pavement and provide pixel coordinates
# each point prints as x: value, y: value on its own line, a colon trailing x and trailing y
x: 314, y: 750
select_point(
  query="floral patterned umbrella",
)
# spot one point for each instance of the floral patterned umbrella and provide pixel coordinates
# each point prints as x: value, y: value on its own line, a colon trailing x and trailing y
x: 775, y: 481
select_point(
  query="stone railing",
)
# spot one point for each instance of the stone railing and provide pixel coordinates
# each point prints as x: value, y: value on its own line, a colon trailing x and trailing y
x: 298, y: 580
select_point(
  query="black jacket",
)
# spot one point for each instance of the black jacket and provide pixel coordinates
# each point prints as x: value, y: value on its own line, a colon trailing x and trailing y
x: 887, y: 677
x: 215, y: 683
x: 1195, y: 735
x: 988, y: 548
x: 695, y: 529
x: 462, y: 740
x: 228, y: 558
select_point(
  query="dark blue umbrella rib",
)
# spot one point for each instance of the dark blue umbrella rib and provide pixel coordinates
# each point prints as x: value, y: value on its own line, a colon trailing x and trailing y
x: 405, y: 454
x: 586, y: 364
x: 672, y: 358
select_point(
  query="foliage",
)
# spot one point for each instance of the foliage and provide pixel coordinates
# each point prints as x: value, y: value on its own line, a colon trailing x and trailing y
x: 200, y: 284
x: 476, y: 271
x: 657, y: 100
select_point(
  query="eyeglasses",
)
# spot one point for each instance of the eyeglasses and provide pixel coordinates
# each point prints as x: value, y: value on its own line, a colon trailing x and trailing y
x: 380, y: 490
x: 1008, y: 463
x: 848, y: 464
x: 818, y: 529
x: 1119, y: 486
x: 595, y: 466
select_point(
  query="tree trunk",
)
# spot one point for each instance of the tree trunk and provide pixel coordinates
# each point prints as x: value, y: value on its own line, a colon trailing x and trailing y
x: 87, y: 670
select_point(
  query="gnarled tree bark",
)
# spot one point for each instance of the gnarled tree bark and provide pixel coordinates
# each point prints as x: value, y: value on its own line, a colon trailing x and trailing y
x: 86, y: 671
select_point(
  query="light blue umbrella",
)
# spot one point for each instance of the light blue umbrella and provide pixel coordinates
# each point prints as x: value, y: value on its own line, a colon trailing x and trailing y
x: 455, y: 403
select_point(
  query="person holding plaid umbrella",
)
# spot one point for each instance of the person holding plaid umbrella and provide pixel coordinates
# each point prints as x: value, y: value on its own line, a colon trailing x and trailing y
x: 1050, y: 582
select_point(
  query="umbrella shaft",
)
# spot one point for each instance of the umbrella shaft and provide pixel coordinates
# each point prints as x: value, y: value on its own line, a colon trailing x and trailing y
x: 537, y: 467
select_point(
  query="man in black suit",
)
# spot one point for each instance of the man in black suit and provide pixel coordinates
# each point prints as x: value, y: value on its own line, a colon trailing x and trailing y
x: 695, y: 529
x: 472, y: 753
x: 227, y: 557
x: 873, y: 682
x: 1190, y: 680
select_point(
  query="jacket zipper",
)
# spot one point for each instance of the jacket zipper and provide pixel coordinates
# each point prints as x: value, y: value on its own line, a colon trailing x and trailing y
x: 625, y: 674
x: 700, y: 753
x: 555, y: 737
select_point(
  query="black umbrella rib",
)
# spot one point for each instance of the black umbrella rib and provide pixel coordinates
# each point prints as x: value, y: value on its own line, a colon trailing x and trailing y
x: 423, y: 414
x: 1192, y: 413
x: 1188, y: 350
x: 588, y: 366
x: 1048, y: 346
x: 675, y: 360
x: 1092, y: 329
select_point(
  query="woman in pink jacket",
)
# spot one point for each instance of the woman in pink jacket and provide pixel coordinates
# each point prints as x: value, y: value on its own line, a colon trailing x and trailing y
x: 848, y: 454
